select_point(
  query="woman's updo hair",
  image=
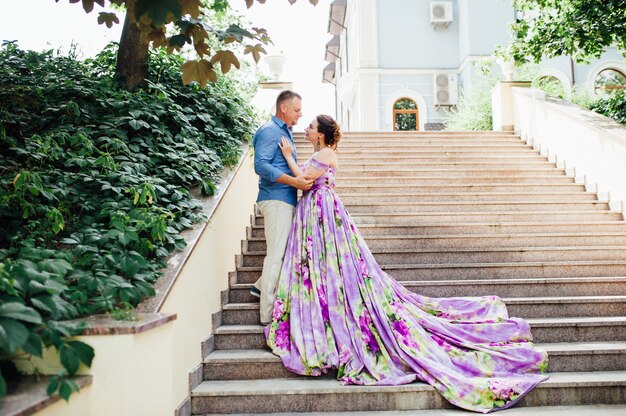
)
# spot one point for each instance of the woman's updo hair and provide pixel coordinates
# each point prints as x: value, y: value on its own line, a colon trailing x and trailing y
x: 330, y: 129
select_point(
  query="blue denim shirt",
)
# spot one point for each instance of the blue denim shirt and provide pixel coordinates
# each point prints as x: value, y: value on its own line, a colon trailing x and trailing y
x: 270, y: 164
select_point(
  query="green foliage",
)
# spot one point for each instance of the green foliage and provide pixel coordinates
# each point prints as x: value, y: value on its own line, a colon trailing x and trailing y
x: 577, y: 28
x: 95, y: 189
x: 172, y: 24
x: 473, y: 111
x: 613, y: 106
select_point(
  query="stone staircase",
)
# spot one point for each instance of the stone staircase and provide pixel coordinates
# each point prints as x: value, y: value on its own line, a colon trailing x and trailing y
x: 451, y: 214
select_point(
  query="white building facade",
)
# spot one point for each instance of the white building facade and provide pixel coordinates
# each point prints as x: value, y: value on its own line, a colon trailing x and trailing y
x: 399, y: 64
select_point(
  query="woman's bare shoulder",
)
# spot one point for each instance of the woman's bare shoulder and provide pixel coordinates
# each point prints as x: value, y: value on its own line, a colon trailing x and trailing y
x: 327, y: 155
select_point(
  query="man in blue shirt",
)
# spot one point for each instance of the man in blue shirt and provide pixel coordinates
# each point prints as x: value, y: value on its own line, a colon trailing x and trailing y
x: 278, y: 191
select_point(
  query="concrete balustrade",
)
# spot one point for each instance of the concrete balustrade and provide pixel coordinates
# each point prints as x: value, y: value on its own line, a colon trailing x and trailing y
x: 591, y: 146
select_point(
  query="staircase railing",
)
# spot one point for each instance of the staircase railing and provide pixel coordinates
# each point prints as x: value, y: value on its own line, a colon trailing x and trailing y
x: 589, y: 145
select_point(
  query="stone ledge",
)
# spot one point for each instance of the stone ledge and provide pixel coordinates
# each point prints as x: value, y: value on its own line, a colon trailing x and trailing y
x: 29, y: 395
x: 105, y: 325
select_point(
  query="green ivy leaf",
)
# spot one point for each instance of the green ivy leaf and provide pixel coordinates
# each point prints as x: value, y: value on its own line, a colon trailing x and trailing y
x: 33, y: 345
x: 69, y: 359
x: 13, y: 335
x: 53, y: 385
x: 84, y: 352
x: 3, y: 386
x: 66, y: 389
x: 20, y: 312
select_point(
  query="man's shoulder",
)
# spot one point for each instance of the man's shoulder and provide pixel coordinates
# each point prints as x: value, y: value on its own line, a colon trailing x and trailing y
x: 268, y: 129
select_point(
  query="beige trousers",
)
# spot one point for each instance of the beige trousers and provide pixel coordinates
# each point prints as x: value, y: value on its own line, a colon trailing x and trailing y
x: 277, y: 216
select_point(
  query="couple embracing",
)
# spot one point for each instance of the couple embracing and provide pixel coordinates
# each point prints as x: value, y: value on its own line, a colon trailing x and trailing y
x: 328, y: 306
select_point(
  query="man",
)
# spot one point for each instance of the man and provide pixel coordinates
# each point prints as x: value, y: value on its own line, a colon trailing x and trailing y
x: 277, y: 194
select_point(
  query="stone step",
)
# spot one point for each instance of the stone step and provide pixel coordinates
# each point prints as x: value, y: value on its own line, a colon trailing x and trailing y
x: 419, y: 144
x: 439, y: 160
x: 465, y: 172
x: 503, y: 229
x: 470, y: 254
x: 382, y: 137
x: 456, y: 151
x: 424, y: 218
x: 511, y: 287
x: 413, y: 177
x: 256, y: 364
x: 582, y: 410
x: 473, y: 271
x: 369, y: 135
x: 459, y: 164
x: 530, y: 307
x: 355, y: 142
x: 544, y: 330
x: 562, y: 184
x: 378, y: 242
x: 470, y: 196
x: 307, y: 147
x: 398, y: 186
x: 377, y: 206
x: 413, y: 218
x: 324, y: 395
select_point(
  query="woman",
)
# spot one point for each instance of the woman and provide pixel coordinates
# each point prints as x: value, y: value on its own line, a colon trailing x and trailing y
x: 336, y: 309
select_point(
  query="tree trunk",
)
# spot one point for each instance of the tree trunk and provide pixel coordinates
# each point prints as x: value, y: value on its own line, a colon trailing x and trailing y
x: 132, y: 56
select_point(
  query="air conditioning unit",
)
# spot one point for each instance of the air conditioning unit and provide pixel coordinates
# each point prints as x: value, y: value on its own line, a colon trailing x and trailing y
x: 441, y: 12
x: 445, y: 89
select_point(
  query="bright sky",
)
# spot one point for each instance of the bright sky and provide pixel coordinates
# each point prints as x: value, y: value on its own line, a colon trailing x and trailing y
x: 299, y: 31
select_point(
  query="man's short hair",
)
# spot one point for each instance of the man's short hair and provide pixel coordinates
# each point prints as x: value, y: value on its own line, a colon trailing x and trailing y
x: 286, y: 96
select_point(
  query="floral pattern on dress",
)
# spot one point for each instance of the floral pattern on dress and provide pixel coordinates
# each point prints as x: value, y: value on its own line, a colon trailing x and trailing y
x: 337, y: 309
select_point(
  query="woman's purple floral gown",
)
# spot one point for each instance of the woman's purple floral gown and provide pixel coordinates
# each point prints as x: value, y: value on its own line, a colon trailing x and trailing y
x: 336, y: 309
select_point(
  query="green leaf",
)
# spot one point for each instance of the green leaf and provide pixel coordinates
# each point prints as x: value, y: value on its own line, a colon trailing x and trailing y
x: 179, y: 40
x: 58, y: 266
x: 20, y: 312
x: 84, y: 352
x: 53, y: 385
x: 49, y: 286
x: 135, y: 124
x: 33, y: 345
x: 158, y: 11
x: 238, y: 32
x: 3, y: 386
x: 208, y: 187
x: 13, y: 335
x: 69, y: 359
x: 66, y: 389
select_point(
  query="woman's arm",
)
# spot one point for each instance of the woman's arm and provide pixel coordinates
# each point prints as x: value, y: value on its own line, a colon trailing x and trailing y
x: 287, y: 150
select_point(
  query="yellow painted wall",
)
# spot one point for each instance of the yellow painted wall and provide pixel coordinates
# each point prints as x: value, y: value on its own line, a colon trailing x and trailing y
x: 196, y: 295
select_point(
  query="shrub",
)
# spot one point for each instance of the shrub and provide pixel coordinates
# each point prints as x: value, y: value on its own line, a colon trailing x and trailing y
x: 473, y: 112
x: 95, y: 188
x: 613, y: 106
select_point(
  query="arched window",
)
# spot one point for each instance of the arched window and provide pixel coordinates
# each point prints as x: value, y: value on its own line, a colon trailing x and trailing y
x: 609, y: 80
x: 405, y: 115
x: 551, y: 85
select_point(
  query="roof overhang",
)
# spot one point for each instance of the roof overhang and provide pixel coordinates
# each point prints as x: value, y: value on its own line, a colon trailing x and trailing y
x: 337, y: 16
x: 332, y: 49
x: 329, y: 73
